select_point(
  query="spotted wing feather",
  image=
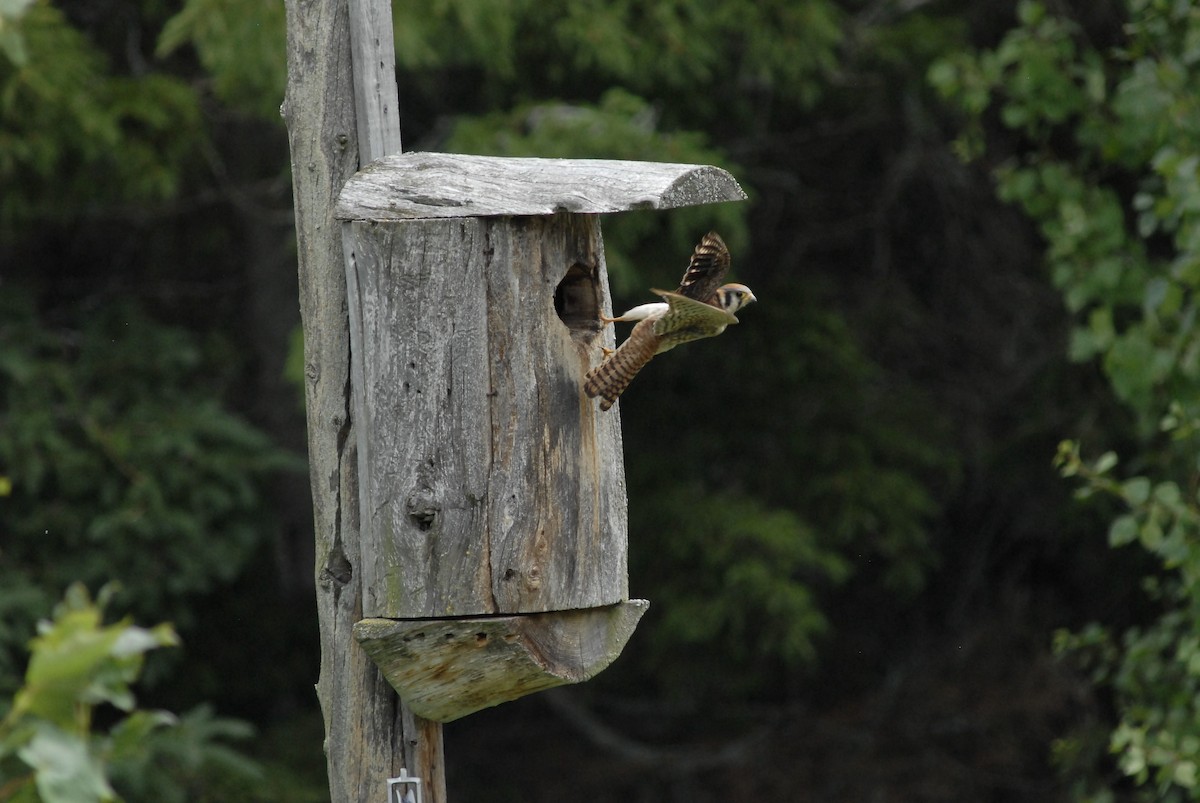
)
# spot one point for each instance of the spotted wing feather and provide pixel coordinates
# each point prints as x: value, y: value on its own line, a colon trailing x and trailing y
x: 706, y: 271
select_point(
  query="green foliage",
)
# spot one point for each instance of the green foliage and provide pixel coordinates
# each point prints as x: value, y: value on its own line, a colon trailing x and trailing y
x: 189, y: 761
x: 1154, y: 675
x: 853, y: 464
x: 735, y: 578
x: 1159, y: 516
x: 743, y: 537
x: 650, y: 48
x: 123, y: 465
x: 868, y: 455
x: 1119, y: 208
x: 459, y: 32
x: 1035, y: 75
x: 116, y: 138
x: 49, y: 750
x: 240, y: 44
x: 1131, y: 284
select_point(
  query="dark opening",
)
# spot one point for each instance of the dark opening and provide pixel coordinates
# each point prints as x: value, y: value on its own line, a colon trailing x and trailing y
x: 577, y: 300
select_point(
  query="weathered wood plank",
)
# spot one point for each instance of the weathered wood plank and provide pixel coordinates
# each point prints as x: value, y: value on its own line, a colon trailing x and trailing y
x: 557, y: 522
x: 376, y: 101
x: 421, y: 383
x: 438, y: 185
x: 490, y: 483
x: 445, y: 669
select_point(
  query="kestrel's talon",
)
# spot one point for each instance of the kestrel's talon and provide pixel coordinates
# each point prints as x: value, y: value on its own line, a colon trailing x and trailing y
x: 607, y: 351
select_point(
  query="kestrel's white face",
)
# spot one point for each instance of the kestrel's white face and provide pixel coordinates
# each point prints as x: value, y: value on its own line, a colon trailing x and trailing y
x: 735, y: 296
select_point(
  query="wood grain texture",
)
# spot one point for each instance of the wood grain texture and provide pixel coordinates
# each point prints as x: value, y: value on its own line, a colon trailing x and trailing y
x: 490, y: 483
x: 445, y: 669
x: 376, y: 101
x: 438, y: 185
x: 369, y: 735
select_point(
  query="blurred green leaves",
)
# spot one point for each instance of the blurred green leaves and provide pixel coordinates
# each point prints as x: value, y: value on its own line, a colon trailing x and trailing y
x: 649, y: 48
x: 735, y: 577
x: 49, y: 749
x: 240, y: 44
x: 117, y: 138
x: 124, y: 466
x: 77, y: 663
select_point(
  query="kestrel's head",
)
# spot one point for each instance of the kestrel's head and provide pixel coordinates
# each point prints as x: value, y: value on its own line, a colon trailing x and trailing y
x: 734, y: 296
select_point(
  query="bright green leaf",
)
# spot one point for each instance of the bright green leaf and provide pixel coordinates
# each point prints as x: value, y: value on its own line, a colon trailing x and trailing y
x: 67, y: 771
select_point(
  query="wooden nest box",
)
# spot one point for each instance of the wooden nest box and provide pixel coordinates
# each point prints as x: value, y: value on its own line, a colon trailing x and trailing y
x: 493, y: 507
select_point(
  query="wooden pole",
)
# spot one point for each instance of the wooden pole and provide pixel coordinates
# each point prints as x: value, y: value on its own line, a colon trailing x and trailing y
x: 369, y: 734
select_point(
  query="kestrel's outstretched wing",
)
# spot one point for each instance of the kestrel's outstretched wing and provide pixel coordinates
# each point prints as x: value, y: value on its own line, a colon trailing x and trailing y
x: 710, y: 263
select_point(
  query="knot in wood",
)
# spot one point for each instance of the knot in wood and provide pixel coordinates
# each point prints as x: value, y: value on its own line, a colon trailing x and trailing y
x: 423, y: 507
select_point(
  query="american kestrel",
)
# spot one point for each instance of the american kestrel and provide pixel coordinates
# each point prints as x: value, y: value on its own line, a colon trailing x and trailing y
x: 701, y: 307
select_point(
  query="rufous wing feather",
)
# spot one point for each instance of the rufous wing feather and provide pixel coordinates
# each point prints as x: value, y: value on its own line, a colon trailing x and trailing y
x: 609, y: 379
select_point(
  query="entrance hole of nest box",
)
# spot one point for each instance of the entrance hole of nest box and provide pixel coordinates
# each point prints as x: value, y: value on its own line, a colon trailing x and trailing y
x: 577, y: 301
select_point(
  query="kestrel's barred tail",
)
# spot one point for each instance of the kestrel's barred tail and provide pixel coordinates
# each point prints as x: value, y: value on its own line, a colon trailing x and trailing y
x: 609, y: 379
